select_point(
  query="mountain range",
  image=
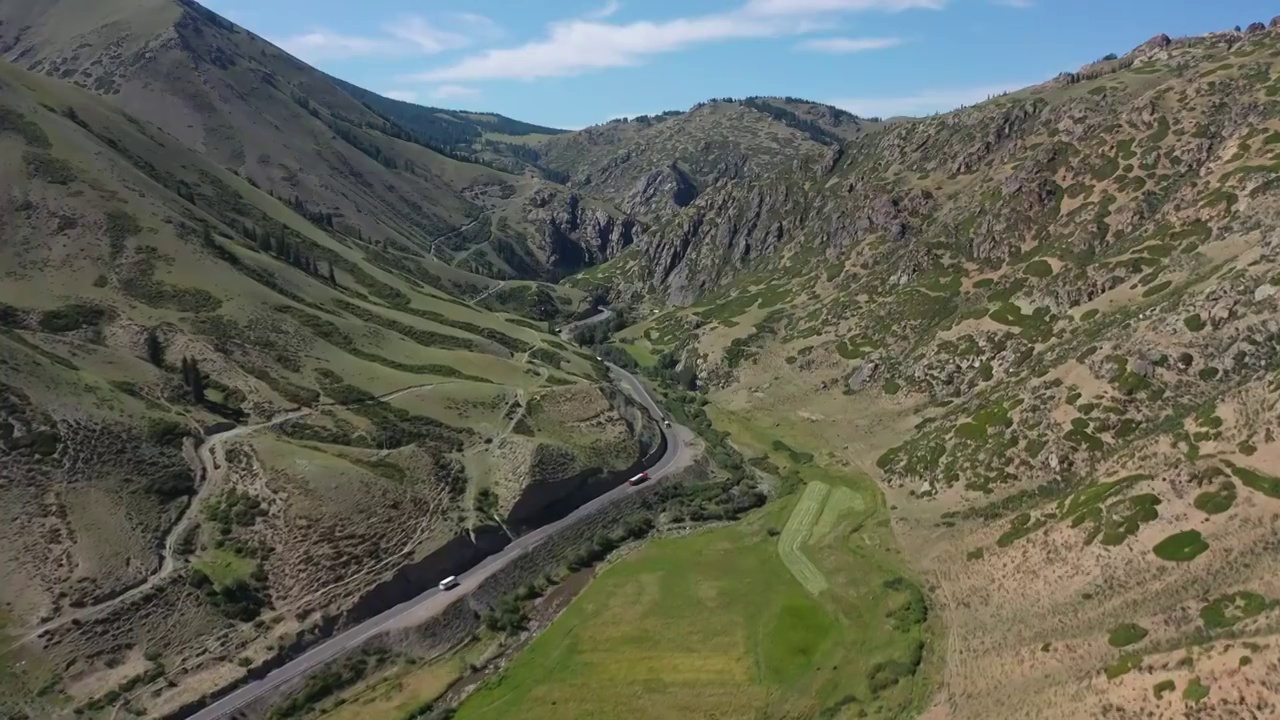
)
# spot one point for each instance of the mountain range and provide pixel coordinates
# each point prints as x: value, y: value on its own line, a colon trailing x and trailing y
x: 1026, y: 318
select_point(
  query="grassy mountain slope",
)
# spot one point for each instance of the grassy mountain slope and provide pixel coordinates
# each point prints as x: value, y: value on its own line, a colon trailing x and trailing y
x: 1048, y: 323
x: 292, y: 130
x: 488, y: 137
x: 364, y: 391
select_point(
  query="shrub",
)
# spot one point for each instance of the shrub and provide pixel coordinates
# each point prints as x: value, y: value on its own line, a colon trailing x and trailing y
x: 1228, y: 610
x: 1163, y: 687
x: 1181, y: 547
x: 1038, y: 269
x: 1195, y: 691
x: 72, y: 317
x: 1126, y: 664
x: 1194, y: 322
x: 53, y: 170
x: 1126, y: 634
x: 1216, y: 502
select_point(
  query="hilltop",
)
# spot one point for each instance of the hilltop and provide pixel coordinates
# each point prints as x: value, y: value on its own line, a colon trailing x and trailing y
x: 655, y: 166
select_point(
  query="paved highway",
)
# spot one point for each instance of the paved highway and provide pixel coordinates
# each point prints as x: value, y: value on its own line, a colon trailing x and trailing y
x: 433, y: 602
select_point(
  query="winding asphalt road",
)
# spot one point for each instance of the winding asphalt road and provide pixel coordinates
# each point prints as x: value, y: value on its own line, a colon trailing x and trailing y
x: 433, y: 602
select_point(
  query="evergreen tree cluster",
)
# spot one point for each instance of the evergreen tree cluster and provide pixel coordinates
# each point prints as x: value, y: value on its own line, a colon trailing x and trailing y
x: 193, y: 379
x: 276, y: 242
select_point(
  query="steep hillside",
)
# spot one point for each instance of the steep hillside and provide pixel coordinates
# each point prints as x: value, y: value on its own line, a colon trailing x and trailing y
x: 292, y: 130
x: 486, y: 137
x: 653, y: 166
x: 224, y: 418
x: 1049, y: 324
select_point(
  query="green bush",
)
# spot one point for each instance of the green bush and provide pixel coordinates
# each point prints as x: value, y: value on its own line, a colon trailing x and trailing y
x: 1181, y: 547
x: 1163, y: 687
x: 1228, y: 610
x: 166, y: 431
x: 1126, y: 634
x: 1265, y: 484
x: 1194, y: 322
x: 1195, y: 691
x: 1215, y: 502
x: 72, y: 317
x: 53, y: 170
x: 1126, y: 664
x: 1038, y: 269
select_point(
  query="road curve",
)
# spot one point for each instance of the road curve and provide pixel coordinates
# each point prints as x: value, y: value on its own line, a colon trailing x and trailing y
x: 433, y: 602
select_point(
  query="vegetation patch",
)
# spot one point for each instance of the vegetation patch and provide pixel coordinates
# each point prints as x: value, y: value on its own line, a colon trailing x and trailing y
x: 1265, y: 484
x: 1162, y: 688
x: 1022, y: 526
x: 70, y: 318
x: 1126, y: 634
x: 1216, y: 502
x: 1038, y: 269
x: 1195, y: 691
x: 1125, y: 665
x: 1181, y: 547
x: 46, y: 167
x: 1228, y: 610
x: 1194, y: 322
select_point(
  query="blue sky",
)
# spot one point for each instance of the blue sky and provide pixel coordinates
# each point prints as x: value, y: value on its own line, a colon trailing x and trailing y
x: 572, y: 63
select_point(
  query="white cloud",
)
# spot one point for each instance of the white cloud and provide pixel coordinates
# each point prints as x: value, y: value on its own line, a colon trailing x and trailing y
x: 425, y: 37
x: 1019, y: 4
x: 814, y: 7
x: 579, y: 45
x: 842, y: 45
x: 405, y: 95
x: 321, y: 44
x: 453, y: 92
x: 407, y: 36
x: 608, y: 10
x: 481, y: 26
x: 924, y: 102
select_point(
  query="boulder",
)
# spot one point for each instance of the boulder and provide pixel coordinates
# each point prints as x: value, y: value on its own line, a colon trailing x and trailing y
x: 1255, y: 28
x: 1159, y: 42
x: 863, y: 375
x: 1275, y: 22
x: 1144, y: 367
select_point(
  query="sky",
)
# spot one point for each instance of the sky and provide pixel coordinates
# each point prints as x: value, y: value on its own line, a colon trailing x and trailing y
x: 574, y: 63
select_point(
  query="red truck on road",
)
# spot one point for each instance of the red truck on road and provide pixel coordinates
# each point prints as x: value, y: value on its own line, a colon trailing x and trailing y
x: 638, y: 479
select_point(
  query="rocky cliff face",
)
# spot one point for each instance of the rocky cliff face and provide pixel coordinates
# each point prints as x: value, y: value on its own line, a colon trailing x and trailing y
x: 655, y: 167
x: 1167, y: 136
x: 575, y: 232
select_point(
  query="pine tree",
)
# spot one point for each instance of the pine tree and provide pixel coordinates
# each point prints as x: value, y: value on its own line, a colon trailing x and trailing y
x: 332, y: 278
x: 193, y: 379
x: 206, y: 235
x: 155, y: 349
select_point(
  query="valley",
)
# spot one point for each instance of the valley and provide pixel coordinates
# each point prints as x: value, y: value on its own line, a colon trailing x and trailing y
x: 956, y: 417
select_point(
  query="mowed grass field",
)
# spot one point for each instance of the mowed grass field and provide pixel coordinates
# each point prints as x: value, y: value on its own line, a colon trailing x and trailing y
x: 715, y: 625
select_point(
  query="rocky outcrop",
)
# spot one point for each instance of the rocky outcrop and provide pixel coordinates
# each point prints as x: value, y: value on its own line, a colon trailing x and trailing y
x: 576, y: 234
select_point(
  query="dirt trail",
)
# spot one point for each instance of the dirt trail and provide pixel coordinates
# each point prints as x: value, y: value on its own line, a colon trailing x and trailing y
x: 451, y: 233
x: 212, y: 464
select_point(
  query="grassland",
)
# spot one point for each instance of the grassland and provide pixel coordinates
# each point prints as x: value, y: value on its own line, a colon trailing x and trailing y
x: 716, y: 625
